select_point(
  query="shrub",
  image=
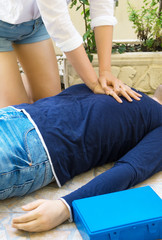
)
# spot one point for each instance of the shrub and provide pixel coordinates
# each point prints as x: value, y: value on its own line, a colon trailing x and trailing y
x: 147, y: 22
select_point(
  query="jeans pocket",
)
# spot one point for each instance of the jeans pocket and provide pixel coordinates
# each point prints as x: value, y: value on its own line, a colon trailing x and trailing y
x: 29, y: 143
x: 16, y: 190
x: 34, y: 147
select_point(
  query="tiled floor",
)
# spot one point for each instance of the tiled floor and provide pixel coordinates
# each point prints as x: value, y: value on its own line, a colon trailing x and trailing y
x: 67, y: 231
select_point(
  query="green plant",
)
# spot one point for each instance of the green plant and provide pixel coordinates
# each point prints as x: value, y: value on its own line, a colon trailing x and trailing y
x: 88, y: 37
x: 126, y: 47
x: 147, y: 22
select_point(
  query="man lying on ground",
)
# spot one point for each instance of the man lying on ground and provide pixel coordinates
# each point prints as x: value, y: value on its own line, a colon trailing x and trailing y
x: 60, y: 137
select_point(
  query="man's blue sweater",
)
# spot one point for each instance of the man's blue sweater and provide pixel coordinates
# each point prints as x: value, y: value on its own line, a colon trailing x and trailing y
x: 83, y: 130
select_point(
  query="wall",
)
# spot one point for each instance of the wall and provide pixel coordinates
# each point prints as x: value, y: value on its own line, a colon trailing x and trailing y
x: 143, y: 71
x: 122, y: 31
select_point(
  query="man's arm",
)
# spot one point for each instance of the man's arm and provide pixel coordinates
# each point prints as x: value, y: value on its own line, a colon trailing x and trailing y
x: 43, y: 216
x: 140, y: 163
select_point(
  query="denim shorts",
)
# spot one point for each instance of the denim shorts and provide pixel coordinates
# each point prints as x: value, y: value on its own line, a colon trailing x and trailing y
x: 24, y: 164
x: 24, y: 33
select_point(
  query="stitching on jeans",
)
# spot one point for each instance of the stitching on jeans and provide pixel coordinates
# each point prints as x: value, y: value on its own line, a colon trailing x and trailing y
x: 5, y: 116
x: 2, y: 174
x: 17, y: 186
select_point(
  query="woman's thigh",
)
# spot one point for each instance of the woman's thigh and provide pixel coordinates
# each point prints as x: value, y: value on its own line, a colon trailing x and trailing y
x: 24, y: 165
x: 35, y: 51
x: 39, y: 63
x: 12, y: 90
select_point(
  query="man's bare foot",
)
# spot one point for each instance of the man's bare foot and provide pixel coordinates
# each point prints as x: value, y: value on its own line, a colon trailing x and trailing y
x: 158, y: 94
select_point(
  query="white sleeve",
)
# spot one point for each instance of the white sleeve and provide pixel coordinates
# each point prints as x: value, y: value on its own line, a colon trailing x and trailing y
x: 71, y: 217
x: 102, y: 13
x: 57, y: 20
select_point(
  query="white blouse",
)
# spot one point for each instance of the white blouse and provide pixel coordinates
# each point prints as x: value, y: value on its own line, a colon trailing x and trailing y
x: 56, y: 17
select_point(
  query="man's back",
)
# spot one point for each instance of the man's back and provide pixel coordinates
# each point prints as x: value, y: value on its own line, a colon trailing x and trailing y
x: 83, y: 130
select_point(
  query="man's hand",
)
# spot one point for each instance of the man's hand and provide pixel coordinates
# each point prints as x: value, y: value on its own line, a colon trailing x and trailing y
x: 44, y: 215
x: 112, y: 86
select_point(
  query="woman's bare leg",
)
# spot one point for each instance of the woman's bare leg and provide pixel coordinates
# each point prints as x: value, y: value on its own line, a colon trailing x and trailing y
x: 39, y: 63
x: 12, y: 90
x: 27, y: 87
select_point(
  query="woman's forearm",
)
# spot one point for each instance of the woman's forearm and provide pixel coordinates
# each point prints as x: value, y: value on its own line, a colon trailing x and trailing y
x: 105, y: 83
x: 103, y: 36
x: 80, y: 61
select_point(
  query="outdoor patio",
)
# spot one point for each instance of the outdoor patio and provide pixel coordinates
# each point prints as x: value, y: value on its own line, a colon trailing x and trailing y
x: 143, y: 72
x: 67, y: 231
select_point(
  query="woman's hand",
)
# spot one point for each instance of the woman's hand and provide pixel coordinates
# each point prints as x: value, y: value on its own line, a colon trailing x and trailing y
x: 109, y: 83
x: 112, y: 86
x: 44, y: 215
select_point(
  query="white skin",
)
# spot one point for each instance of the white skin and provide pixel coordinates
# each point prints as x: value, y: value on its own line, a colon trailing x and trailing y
x: 43, y: 215
x: 110, y: 85
x: 157, y: 100
x: 158, y: 95
x: 41, y: 77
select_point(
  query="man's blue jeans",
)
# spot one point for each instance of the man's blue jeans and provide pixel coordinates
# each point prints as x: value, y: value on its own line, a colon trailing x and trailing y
x: 24, y: 164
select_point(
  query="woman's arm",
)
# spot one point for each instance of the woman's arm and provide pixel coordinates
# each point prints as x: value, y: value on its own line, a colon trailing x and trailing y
x: 80, y: 61
x: 103, y: 36
x: 61, y: 29
x: 107, y: 83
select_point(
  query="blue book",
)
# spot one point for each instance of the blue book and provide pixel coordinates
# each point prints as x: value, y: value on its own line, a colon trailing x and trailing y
x: 134, y: 214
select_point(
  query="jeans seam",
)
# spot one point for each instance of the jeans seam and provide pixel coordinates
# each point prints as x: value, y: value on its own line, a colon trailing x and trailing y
x: 17, y: 186
x: 9, y: 117
x: 45, y: 178
x: 24, y: 168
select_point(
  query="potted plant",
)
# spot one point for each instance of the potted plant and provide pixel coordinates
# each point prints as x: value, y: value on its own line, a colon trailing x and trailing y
x: 140, y: 64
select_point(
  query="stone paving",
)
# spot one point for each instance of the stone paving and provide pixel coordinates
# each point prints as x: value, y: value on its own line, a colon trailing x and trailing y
x: 66, y: 231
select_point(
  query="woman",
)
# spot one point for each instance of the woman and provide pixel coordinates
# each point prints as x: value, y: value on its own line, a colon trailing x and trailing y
x: 24, y: 37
